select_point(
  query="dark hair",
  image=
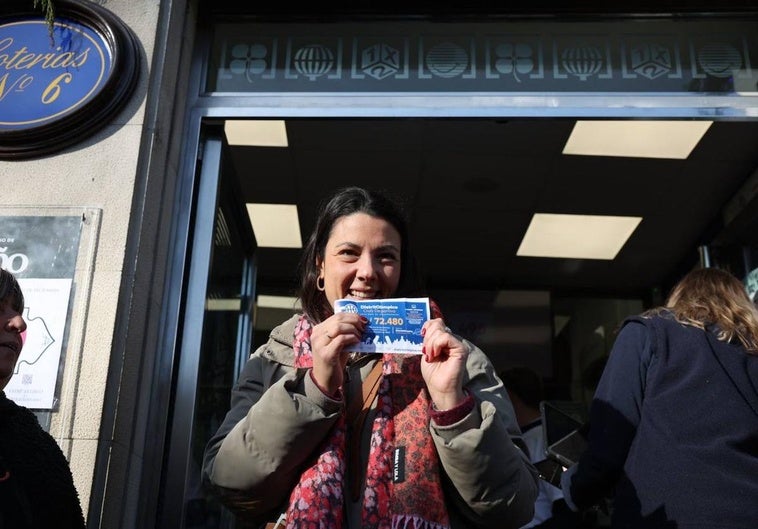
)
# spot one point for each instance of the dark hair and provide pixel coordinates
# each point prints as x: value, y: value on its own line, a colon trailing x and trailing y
x: 10, y: 291
x: 344, y: 202
x: 524, y: 383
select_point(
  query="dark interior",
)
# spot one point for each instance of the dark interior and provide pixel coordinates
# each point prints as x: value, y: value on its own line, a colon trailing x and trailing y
x: 470, y: 187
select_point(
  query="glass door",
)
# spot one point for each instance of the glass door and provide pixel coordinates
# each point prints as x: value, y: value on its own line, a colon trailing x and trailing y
x: 216, y: 334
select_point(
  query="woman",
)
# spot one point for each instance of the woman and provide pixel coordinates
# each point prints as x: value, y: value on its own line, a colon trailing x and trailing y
x: 36, y: 487
x: 436, y: 449
x: 674, y: 421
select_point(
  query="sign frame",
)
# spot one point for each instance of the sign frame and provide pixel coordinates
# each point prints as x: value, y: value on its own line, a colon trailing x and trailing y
x: 71, y: 127
x: 69, y: 340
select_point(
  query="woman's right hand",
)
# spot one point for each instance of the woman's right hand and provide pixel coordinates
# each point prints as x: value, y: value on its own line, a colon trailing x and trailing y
x: 329, y: 340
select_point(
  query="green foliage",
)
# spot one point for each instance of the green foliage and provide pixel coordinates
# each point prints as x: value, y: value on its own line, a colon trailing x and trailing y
x: 48, y: 9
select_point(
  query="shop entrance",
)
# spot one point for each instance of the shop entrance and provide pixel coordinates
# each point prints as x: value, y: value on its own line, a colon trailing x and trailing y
x: 469, y: 123
x: 471, y: 187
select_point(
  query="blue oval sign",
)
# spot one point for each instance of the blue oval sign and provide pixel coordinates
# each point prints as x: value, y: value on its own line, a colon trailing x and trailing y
x: 60, y: 83
x: 44, y: 77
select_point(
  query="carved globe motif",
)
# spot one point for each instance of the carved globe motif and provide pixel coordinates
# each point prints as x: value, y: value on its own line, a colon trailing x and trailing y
x: 313, y: 61
x: 582, y: 61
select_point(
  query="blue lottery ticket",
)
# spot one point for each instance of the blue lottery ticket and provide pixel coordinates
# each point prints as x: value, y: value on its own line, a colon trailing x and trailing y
x: 394, y: 324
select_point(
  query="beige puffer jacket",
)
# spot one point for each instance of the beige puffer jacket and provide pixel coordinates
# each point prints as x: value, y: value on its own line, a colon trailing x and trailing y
x: 279, y: 416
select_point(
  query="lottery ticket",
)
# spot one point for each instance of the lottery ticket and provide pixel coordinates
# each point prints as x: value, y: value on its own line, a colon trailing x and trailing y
x: 394, y: 324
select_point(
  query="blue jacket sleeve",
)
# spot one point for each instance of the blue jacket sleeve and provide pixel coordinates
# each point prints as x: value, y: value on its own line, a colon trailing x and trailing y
x: 614, y: 417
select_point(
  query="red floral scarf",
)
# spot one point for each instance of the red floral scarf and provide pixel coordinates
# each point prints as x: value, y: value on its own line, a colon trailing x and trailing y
x: 402, y: 420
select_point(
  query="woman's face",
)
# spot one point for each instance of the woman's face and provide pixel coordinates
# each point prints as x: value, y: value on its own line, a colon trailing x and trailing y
x: 361, y: 259
x: 10, y: 341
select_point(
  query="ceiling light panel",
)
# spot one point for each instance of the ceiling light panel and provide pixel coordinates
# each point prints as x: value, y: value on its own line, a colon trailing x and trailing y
x: 256, y: 133
x: 278, y: 302
x: 638, y: 139
x: 576, y: 236
x: 275, y: 225
x: 227, y: 304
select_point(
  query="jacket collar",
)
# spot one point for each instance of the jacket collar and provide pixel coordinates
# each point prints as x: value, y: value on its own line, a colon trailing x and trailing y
x: 279, y: 347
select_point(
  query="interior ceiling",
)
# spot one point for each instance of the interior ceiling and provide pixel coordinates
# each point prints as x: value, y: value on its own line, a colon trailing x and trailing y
x: 470, y: 187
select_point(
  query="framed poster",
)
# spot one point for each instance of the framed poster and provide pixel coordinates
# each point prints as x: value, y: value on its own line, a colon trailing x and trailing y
x: 43, y: 252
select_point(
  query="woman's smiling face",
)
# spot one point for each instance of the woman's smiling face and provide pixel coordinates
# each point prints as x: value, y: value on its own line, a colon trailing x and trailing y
x: 361, y: 259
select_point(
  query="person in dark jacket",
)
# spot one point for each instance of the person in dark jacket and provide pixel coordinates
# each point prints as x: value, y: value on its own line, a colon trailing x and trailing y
x: 674, y: 421
x: 36, y: 487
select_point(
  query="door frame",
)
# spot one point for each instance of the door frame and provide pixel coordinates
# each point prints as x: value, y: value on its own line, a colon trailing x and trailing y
x: 198, y: 189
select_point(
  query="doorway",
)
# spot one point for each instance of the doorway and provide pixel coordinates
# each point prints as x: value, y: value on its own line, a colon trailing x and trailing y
x: 470, y: 188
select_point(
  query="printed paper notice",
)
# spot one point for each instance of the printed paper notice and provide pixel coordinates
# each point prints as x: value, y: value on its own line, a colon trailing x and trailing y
x: 394, y: 325
x: 46, y: 307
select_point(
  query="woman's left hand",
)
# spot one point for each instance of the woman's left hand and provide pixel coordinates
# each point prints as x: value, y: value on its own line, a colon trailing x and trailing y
x: 443, y: 364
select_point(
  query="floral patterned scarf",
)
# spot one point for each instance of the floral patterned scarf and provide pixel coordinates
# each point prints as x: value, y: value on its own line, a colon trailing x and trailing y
x: 402, y: 421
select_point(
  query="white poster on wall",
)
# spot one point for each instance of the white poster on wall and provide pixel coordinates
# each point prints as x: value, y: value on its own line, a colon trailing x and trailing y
x: 45, y: 312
